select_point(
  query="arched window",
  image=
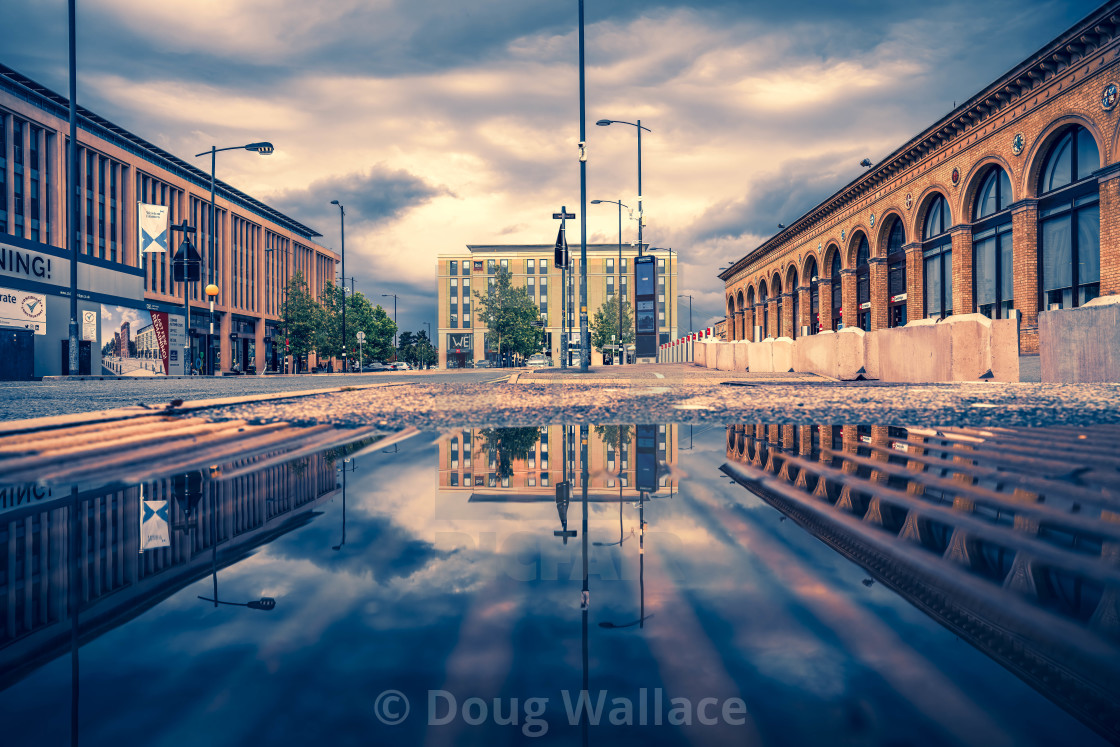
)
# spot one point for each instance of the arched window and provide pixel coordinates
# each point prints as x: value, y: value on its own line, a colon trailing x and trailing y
x: 765, y: 310
x: 754, y: 316
x: 937, y: 252
x: 731, y: 316
x: 1070, y: 222
x: 837, y: 292
x: 814, y: 296
x: 896, y: 276
x: 777, y: 291
x: 992, y: 266
x: 863, y: 283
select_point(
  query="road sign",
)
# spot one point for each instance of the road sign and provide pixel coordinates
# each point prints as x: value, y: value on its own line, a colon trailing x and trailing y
x: 564, y: 216
x: 361, y: 336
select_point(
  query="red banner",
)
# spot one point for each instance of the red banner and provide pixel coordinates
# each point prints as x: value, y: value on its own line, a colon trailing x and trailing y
x: 159, y: 326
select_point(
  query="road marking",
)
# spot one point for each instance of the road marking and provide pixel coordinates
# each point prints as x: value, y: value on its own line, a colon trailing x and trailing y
x: 495, y: 381
x: 658, y: 376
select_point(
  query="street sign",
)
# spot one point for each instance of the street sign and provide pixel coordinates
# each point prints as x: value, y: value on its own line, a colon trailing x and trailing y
x: 538, y: 323
x: 361, y: 336
x: 564, y: 216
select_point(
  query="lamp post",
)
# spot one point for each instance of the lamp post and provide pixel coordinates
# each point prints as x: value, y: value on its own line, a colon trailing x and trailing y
x: 72, y: 220
x: 211, y: 292
x: 638, y: 125
x: 262, y: 148
x: 342, y: 232
x: 621, y: 349
x: 685, y: 295
x: 429, y: 326
x: 394, y: 297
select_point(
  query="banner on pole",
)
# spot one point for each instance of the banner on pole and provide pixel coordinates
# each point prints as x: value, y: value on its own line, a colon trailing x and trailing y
x: 153, y: 227
x: 153, y: 524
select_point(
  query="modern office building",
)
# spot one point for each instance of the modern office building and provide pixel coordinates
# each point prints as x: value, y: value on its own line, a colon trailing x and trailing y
x: 256, y: 249
x: 1010, y: 201
x: 459, y: 276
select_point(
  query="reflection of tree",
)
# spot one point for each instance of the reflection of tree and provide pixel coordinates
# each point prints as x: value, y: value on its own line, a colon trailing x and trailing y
x: 614, y: 436
x: 510, y: 444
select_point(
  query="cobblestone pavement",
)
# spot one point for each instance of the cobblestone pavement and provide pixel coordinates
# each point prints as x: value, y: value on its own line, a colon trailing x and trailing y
x: 681, y: 393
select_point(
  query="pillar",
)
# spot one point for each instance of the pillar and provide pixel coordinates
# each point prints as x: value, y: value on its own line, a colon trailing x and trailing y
x: 747, y: 322
x: 879, y: 303
x: 962, y: 270
x: 825, y: 289
x: 787, y: 314
x: 915, y: 283
x: 848, y: 290
x: 772, y: 314
x: 1110, y: 232
x: 225, y: 328
x: 1024, y: 242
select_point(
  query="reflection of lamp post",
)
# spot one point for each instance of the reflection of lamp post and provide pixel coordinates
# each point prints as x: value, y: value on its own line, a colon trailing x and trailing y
x: 211, y: 292
x: 642, y: 616
x: 264, y: 603
x: 347, y: 466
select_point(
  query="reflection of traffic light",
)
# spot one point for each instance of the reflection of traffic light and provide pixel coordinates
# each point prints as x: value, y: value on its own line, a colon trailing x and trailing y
x: 187, y: 491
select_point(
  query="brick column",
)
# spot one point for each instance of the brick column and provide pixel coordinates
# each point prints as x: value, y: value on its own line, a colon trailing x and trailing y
x: 805, y: 439
x: 848, y: 289
x: 878, y: 280
x: 825, y: 289
x: 1110, y: 232
x: 772, y: 317
x: 787, y: 314
x: 1024, y: 242
x: 915, y: 282
x: 804, y: 309
x: 962, y: 270
x: 747, y: 322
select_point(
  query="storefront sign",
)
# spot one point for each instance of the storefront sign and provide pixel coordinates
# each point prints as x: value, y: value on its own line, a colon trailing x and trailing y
x: 89, y: 325
x: 24, y: 310
x: 25, y: 263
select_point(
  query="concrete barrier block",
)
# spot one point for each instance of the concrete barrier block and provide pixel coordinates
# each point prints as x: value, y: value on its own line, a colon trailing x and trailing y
x: 871, y: 353
x: 918, y: 352
x: 970, y: 346
x: 1005, y: 348
x: 782, y: 355
x: 850, y: 350
x: 761, y: 356
x: 739, y: 360
x: 1083, y: 344
x: 724, y: 357
x: 816, y: 354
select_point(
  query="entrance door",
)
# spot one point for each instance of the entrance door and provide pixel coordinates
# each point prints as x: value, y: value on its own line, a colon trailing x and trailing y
x: 17, y: 355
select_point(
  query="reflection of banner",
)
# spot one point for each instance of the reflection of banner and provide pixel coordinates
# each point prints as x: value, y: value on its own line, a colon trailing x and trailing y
x: 22, y: 309
x: 153, y: 524
x: 159, y: 326
x: 153, y: 227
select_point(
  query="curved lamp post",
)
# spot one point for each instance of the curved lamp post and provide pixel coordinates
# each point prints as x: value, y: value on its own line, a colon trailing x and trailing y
x: 621, y: 347
x: 263, y: 148
x: 638, y: 125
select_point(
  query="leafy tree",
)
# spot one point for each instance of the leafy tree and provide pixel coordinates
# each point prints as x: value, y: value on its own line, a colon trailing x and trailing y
x: 614, y: 436
x: 604, y: 325
x: 509, y: 444
x: 302, y: 316
x: 362, y: 316
x: 405, y: 347
x: 509, y: 313
x: 426, y: 354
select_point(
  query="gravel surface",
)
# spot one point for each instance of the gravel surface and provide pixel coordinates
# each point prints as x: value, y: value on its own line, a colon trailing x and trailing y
x: 703, y: 400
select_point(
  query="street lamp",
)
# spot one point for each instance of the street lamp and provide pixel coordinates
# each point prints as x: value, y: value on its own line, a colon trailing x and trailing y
x: 685, y: 295
x: 621, y: 348
x: 394, y: 297
x: 638, y: 125
x: 262, y: 148
x: 342, y: 231
x: 211, y: 292
x: 429, y: 326
x: 669, y: 286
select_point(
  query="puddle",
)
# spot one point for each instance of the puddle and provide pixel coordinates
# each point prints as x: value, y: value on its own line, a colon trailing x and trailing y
x: 643, y: 584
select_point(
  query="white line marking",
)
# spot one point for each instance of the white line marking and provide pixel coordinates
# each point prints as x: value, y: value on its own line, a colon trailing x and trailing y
x: 658, y: 376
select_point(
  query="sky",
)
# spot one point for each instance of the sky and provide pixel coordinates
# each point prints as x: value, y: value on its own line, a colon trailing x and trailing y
x: 439, y: 123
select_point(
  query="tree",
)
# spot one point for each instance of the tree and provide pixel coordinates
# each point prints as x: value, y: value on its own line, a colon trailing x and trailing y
x: 426, y: 355
x: 405, y: 347
x: 614, y: 436
x: 509, y: 314
x: 302, y: 316
x: 604, y: 327
x: 509, y: 444
x: 361, y: 316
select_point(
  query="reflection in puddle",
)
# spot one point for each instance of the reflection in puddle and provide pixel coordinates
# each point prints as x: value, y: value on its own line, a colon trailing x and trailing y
x: 1014, y: 552
x: 599, y: 584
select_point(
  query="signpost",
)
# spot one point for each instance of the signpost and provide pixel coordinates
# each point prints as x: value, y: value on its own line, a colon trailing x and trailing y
x: 562, y: 259
x: 186, y: 268
x: 361, y: 338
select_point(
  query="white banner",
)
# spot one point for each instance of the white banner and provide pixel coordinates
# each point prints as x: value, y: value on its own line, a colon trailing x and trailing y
x: 153, y: 227
x: 22, y: 309
x: 153, y: 524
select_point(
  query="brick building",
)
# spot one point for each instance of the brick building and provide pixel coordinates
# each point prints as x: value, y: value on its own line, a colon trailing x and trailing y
x: 256, y: 250
x: 462, y: 339
x: 1011, y: 201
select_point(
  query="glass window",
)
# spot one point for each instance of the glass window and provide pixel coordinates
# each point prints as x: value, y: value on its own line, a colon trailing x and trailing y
x: 505, y: 265
x: 610, y: 265
x: 543, y: 265
x: 454, y: 267
x: 530, y: 266
x: 938, y: 218
x: 1069, y: 229
x: 491, y: 266
x: 994, y: 195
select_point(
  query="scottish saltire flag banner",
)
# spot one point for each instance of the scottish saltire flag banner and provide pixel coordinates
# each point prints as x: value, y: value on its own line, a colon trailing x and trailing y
x: 153, y: 524
x: 153, y: 227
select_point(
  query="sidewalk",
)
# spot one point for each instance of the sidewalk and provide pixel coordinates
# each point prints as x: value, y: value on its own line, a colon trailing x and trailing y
x: 653, y: 374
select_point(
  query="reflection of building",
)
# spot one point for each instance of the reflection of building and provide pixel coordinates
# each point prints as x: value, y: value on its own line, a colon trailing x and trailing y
x: 1004, y: 203
x: 257, y: 248
x: 983, y: 531
x: 460, y: 275
x: 466, y: 466
x: 118, y: 582
x: 126, y: 341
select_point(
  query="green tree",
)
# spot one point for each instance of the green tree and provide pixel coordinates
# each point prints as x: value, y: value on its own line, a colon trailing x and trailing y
x: 614, y: 436
x: 509, y: 314
x: 509, y: 444
x: 376, y: 323
x: 302, y: 316
x: 604, y: 326
x: 406, y: 348
x: 426, y: 354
